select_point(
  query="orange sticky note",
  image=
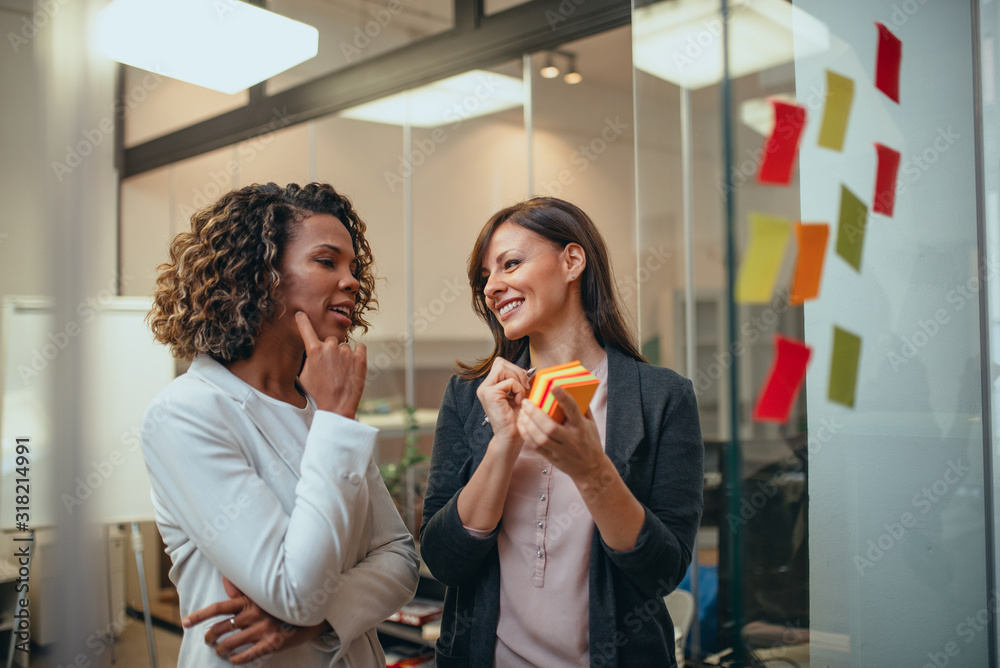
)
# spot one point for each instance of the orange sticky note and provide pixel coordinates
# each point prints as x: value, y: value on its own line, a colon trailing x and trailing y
x: 572, y: 377
x: 788, y: 370
x: 812, y: 239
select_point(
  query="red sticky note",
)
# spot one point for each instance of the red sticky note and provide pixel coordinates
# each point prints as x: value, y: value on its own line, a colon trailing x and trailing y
x: 788, y: 370
x: 783, y: 144
x: 890, y: 53
x: 885, y: 180
x: 809, y: 267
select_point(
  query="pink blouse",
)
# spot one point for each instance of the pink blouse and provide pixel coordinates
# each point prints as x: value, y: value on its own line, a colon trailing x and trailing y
x: 544, y: 544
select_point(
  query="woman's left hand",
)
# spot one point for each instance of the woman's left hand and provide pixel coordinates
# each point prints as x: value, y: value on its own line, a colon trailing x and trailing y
x: 573, y: 447
x: 247, y: 624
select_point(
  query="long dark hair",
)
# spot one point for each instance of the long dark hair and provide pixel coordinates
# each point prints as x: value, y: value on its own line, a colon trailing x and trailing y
x: 563, y: 223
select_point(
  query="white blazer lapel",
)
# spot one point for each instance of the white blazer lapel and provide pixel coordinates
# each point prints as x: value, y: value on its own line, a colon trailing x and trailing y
x: 287, y: 445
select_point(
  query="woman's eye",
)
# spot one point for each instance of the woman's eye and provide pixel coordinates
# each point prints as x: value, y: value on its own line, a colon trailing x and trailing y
x: 325, y: 262
x: 509, y: 264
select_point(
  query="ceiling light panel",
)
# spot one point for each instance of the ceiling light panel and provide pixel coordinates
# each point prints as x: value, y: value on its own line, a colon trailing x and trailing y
x: 225, y: 45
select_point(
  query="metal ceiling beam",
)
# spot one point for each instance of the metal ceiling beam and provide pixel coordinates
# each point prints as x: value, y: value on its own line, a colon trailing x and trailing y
x: 535, y: 26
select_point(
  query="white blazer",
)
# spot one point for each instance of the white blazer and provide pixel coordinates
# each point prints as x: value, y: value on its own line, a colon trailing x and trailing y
x: 299, y: 520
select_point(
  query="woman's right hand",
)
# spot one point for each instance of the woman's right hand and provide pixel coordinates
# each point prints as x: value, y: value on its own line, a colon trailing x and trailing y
x: 334, y: 374
x: 501, y: 394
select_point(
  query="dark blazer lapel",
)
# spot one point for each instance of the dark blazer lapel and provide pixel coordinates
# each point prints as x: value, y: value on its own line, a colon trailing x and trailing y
x: 624, y: 429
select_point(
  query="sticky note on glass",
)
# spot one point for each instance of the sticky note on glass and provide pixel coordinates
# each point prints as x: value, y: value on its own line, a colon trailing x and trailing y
x: 851, y: 228
x: 885, y: 180
x: 812, y: 238
x: 839, y: 96
x: 783, y: 144
x: 572, y: 377
x: 762, y: 259
x: 887, y: 62
x: 784, y: 380
x: 844, y: 366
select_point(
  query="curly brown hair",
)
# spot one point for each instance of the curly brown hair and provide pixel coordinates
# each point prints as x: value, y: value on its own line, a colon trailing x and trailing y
x: 219, y: 286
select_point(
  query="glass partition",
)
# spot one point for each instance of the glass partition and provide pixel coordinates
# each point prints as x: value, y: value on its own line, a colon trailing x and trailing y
x: 849, y: 513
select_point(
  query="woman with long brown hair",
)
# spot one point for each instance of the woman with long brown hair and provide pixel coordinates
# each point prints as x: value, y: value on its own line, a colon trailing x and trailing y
x: 284, y: 541
x: 558, y: 541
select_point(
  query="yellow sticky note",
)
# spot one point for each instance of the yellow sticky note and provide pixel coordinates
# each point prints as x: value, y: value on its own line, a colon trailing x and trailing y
x: 839, y: 95
x: 762, y: 260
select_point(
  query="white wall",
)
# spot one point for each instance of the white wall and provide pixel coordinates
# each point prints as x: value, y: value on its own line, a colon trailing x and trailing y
x: 897, y: 553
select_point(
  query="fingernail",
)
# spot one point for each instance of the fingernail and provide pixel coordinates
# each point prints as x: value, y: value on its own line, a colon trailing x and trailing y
x: 186, y: 622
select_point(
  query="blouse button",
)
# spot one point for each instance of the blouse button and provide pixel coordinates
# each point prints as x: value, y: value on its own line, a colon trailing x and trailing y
x: 542, y: 497
x: 539, y: 553
x: 539, y: 525
x: 545, y: 470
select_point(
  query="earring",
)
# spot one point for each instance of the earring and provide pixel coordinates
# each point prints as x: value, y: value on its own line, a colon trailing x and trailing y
x: 572, y: 277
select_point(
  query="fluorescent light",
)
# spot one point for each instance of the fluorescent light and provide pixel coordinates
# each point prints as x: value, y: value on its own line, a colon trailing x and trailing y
x: 681, y: 40
x: 226, y: 45
x: 474, y: 93
x: 758, y: 113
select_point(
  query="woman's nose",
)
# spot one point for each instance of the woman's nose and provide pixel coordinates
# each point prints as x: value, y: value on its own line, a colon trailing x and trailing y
x: 492, y: 286
x: 350, y: 283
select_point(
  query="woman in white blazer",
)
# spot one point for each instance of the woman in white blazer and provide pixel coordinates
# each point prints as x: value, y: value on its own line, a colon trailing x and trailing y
x: 286, y: 546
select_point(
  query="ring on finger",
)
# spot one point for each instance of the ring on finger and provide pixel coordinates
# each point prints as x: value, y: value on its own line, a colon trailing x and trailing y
x: 232, y: 624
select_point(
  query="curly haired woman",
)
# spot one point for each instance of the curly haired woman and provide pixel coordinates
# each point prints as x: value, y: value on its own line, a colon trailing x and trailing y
x: 272, y: 510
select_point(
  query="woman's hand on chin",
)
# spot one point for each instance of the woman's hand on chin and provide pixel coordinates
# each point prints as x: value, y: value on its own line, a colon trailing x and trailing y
x: 501, y: 395
x: 334, y: 374
x: 573, y: 447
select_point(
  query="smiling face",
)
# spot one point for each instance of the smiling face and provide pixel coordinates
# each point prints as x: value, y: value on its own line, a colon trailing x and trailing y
x: 317, y: 277
x: 527, y: 281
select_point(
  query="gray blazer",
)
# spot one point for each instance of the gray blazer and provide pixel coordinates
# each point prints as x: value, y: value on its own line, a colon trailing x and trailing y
x: 654, y: 440
x: 299, y: 519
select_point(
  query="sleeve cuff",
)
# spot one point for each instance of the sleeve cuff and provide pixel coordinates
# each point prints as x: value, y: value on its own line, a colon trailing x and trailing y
x: 340, y: 445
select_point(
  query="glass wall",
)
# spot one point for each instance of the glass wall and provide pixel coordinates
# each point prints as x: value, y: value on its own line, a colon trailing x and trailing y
x: 820, y: 191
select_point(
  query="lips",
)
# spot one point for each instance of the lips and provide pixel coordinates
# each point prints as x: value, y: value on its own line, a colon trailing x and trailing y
x: 342, y: 313
x: 504, y: 309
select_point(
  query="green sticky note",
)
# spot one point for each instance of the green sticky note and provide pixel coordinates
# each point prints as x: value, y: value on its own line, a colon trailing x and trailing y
x: 839, y: 95
x: 844, y: 366
x: 851, y: 232
x: 762, y: 260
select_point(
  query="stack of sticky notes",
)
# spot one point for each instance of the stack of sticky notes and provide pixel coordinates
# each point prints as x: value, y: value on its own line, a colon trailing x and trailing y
x: 572, y: 377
